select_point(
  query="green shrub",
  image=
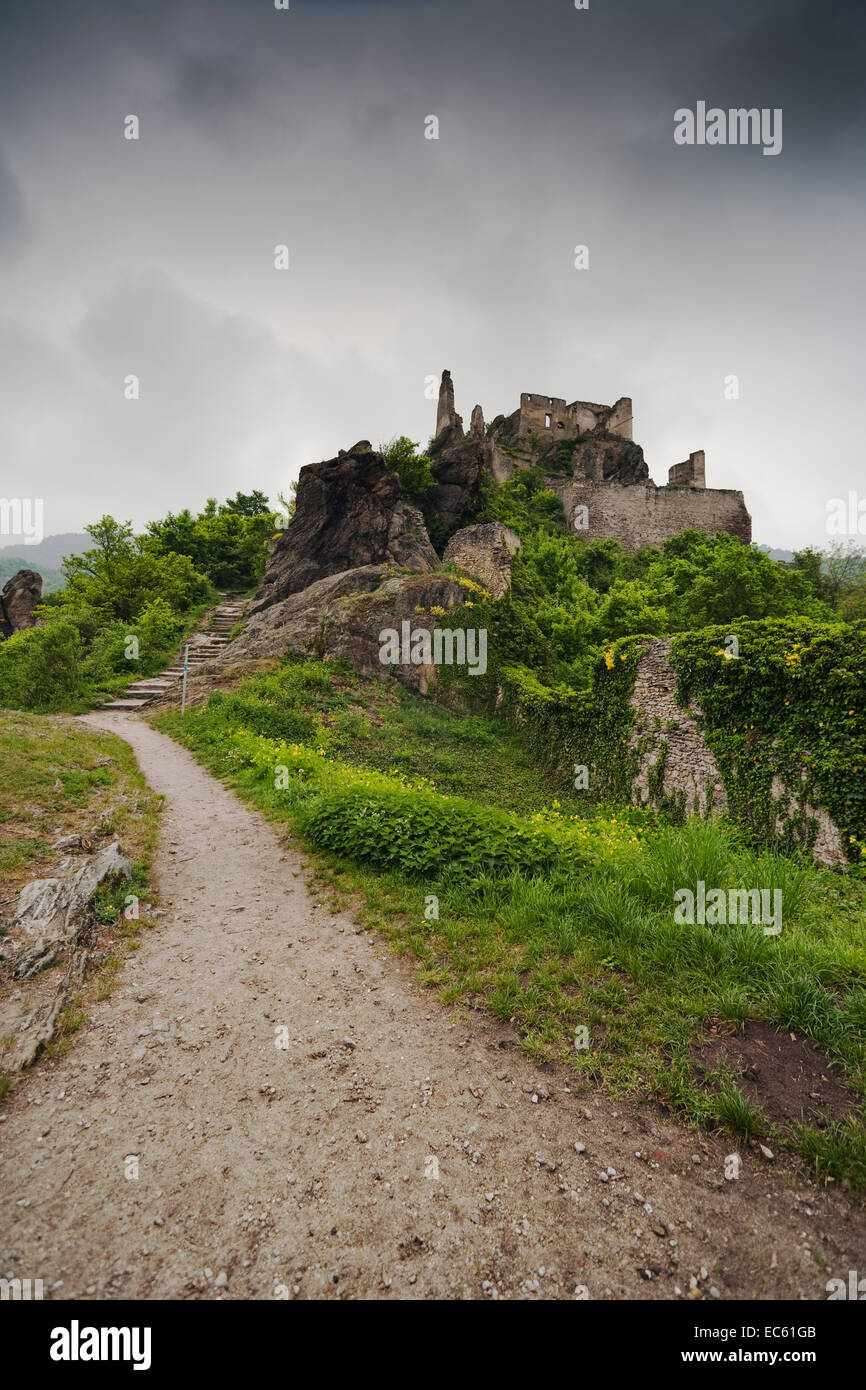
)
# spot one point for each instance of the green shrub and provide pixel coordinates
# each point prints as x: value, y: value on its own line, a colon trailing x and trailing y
x: 41, y: 668
x: 792, y: 705
x: 414, y: 470
x: 422, y: 834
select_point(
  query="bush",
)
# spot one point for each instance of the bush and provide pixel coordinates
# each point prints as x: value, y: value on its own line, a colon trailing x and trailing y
x: 414, y: 470
x: 792, y: 706
x: 41, y: 668
x: 422, y: 834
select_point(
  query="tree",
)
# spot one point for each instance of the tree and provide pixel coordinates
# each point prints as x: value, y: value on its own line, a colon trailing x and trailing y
x: 120, y: 575
x: 247, y: 504
x: 414, y: 470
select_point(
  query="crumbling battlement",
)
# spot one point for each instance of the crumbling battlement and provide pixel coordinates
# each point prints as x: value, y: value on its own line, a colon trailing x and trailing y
x: 589, y: 459
x: 548, y: 416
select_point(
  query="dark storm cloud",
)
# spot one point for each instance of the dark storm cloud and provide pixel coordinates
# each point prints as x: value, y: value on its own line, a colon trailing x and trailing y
x: 306, y: 127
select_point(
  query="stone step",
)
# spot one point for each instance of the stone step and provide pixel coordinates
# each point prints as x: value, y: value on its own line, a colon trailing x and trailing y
x: 124, y: 704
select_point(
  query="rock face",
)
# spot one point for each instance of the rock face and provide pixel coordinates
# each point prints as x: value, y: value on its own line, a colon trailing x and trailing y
x: 54, y: 923
x: 343, y: 615
x: 459, y: 465
x: 446, y: 416
x: 605, y: 458
x: 349, y: 513
x: 485, y: 552
x: 20, y: 596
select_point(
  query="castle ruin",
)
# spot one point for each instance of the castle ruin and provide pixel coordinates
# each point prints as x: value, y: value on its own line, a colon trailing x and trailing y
x: 588, y: 457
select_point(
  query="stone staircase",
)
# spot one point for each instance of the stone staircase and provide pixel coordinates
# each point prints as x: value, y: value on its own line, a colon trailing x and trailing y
x: 204, y: 646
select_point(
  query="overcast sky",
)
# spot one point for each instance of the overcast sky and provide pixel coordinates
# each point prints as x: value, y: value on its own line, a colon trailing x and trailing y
x: 407, y: 255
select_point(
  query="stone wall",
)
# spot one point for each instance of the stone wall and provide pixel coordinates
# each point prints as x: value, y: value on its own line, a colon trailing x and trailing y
x: 643, y: 514
x: 548, y: 416
x: 692, y: 473
x: 677, y: 767
x: 689, y: 775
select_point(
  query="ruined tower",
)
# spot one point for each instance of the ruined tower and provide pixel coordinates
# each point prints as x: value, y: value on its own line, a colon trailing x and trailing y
x: 446, y: 415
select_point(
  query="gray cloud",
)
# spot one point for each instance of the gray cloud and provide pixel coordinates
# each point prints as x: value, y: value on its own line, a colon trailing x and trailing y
x: 14, y: 218
x: 306, y: 127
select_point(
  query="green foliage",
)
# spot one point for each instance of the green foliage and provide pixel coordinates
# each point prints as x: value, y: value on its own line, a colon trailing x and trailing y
x: 41, y: 668
x: 552, y: 919
x: 791, y: 705
x: 119, y: 589
x: 414, y: 470
x: 525, y: 504
x: 421, y: 834
x: 228, y: 543
x: 120, y: 576
x: 158, y: 629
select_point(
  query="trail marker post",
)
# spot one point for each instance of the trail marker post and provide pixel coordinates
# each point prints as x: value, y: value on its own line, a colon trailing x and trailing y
x: 183, y: 692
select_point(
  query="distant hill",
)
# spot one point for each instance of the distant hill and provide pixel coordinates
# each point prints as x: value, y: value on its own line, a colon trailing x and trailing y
x: 10, y: 564
x: 45, y: 557
x: 784, y: 557
x: 50, y: 551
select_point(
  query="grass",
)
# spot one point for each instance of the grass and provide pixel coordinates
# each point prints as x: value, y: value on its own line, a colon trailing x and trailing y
x: 59, y: 778
x: 549, y: 920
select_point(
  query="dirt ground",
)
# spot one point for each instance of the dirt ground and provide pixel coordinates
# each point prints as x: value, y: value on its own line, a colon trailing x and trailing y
x: 269, y: 1106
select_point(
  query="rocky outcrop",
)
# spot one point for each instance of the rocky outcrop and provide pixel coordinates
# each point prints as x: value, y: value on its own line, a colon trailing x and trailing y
x: 485, y: 552
x: 458, y: 465
x: 349, y: 513
x: 53, y: 923
x: 606, y: 458
x: 19, y: 597
x: 343, y: 615
x: 446, y: 416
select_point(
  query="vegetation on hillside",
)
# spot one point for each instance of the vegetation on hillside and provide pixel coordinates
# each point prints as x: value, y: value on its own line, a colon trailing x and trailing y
x: 128, y: 601
x: 60, y: 779
x: 553, y: 916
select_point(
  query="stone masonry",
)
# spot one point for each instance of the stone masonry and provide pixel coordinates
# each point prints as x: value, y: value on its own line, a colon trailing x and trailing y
x: 691, y: 774
x: 690, y: 771
x: 589, y: 459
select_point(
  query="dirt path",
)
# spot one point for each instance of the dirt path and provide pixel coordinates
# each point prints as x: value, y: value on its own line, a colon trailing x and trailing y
x: 310, y: 1170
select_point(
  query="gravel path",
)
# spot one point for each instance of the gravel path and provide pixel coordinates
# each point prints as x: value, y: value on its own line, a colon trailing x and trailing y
x: 309, y: 1122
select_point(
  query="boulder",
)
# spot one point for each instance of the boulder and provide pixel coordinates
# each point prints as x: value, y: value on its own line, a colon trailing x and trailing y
x: 53, y: 924
x: 343, y: 615
x: 18, y: 599
x: 485, y: 552
x: 349, y: 513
